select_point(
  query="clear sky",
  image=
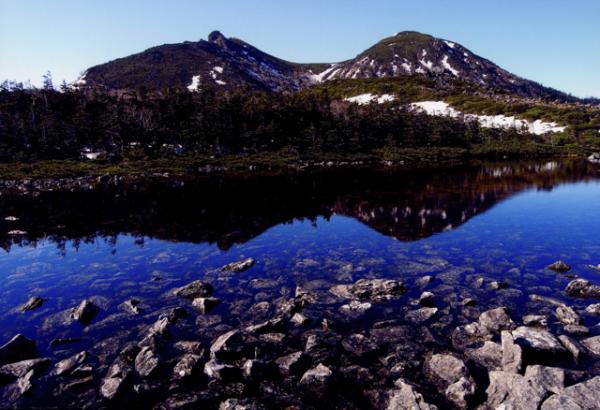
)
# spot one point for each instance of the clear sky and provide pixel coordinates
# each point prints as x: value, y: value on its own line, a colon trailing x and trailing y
x: 555, y: 42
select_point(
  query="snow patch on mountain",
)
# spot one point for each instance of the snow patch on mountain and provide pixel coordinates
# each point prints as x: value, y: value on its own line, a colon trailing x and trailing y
x: 368, y: 98
x: 450, y: 44
x: 323, y: 75
x: 448, y: 67
x: 443, y: 109
x: 194, y: 84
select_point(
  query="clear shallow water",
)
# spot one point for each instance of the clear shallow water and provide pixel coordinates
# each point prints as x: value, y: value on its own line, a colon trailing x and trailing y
x: 498, y: 222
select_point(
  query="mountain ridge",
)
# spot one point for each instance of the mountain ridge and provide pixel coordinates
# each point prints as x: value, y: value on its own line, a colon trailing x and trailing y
x: 226, y: 63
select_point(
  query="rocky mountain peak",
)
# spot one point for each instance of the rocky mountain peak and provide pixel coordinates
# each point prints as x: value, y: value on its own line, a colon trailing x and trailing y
x: 216, y: 37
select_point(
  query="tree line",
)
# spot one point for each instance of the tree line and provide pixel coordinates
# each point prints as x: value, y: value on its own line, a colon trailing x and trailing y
x: 49, y: 124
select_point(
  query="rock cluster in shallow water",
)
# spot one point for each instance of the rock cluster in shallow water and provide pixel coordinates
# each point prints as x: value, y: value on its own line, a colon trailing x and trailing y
x: 336, y: 348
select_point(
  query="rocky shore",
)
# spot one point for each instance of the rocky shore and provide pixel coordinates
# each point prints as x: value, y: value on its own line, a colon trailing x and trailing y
x: 315, y: 347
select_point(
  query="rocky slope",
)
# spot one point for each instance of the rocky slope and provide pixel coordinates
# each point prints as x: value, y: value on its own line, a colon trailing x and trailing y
x: 228, y: 63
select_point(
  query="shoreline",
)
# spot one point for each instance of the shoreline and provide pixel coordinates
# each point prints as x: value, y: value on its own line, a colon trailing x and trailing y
x: 70, y: 175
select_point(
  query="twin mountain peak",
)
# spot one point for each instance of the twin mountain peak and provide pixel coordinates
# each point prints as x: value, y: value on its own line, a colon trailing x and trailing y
x: 226, y: 63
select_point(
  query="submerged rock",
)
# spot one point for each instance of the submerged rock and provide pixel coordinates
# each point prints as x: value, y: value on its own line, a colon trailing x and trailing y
x: 203, y: 305
x: 18, y: 348
x: 195, y: 289
x: 582, y: 288
x: 375, y: 290
x: 559, y: 266
x: 34, y: 302
x: 238, y: 267
x: 593, y: 309
x: 132, y: 306
x: 85, y: 312
x: 421, y: 315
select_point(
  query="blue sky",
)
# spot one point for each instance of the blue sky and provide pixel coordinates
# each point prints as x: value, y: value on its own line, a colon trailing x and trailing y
x: 555, y: 42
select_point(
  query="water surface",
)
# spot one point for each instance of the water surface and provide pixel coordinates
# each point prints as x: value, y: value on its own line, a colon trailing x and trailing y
x: 503, y: 222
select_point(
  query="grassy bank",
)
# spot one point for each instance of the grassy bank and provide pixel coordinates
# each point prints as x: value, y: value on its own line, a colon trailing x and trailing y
x: 281, y: 160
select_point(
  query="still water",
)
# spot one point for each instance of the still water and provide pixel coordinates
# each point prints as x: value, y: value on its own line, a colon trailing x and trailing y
x: 504, y: 222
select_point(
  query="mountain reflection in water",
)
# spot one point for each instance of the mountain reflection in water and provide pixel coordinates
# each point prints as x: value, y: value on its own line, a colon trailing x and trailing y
x: 405, y: 205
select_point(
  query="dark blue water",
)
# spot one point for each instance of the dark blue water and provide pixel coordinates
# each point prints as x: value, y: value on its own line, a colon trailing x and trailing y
x: 457, y: 228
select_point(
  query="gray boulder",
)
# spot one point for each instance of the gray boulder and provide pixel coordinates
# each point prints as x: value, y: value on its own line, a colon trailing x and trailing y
x: 20, y: 369
x: 512, y: 354
x: 187, y: 366
x: 67, y: 365
x: 146, y: 361
x: 85, y: 312
x: 592, y: 344
x: 32, y: 303
x: 228, y: 345
x: 452, y: 378
x: 559, y: 266
x: 18, y: 348
x: 567, y: 315
x: 582, y: 288
x: 237, y: 267
x: 585, y: 395
x: 538, y: 340
x: 195, y: 289
x: 405, y: 397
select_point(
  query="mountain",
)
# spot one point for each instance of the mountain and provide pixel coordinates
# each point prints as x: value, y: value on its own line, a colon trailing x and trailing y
x: 220, y: 61
x: 412, y: 53
x: 230, y: 63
